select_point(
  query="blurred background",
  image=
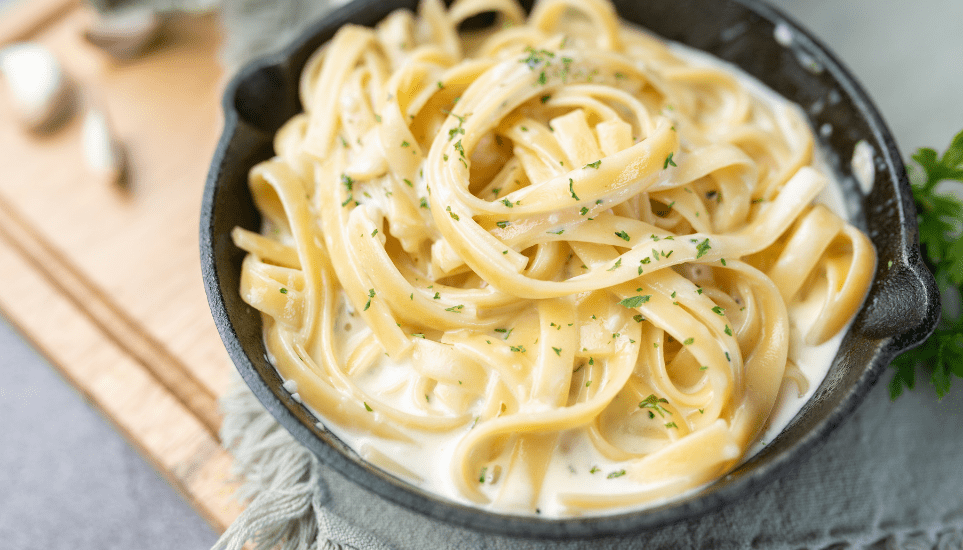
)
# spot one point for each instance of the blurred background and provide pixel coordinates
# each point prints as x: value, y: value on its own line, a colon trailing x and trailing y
x: 68, y: 479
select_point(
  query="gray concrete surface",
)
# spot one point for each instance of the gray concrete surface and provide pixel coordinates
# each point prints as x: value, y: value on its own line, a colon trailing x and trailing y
x: 68, y: 480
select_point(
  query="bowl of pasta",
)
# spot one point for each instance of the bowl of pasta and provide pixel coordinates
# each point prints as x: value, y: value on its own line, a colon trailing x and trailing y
x: 562, y: 270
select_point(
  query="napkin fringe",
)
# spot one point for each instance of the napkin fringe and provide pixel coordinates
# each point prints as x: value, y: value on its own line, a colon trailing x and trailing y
x: 282, y: 480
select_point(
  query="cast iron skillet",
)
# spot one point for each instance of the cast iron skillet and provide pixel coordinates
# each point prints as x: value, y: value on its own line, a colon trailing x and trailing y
x: 901, y: 310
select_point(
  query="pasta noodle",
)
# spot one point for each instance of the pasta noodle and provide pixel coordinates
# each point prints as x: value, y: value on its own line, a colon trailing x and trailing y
x: 558, y: 242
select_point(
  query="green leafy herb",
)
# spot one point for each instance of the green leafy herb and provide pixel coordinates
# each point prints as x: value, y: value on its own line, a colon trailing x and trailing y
x: 655, y: 403
x: 616, y: 474
x: 668, y: 161
x: 283, y: 290
x: 938, y: 214
x: 622, y: 235
x: 702, y: 248
x: 571, y: 190
x: 595, y: 164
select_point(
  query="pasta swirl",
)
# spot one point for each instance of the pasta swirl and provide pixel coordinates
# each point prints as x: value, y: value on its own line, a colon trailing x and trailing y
x: 553, y: 241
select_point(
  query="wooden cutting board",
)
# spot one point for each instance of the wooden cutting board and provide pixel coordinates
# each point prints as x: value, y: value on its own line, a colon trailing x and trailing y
x: 104, y: 281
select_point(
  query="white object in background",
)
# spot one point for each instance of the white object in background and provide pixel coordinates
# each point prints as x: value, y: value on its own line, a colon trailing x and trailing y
x: 102, y: 152
x: 39, y: 88
x: 126, y: 34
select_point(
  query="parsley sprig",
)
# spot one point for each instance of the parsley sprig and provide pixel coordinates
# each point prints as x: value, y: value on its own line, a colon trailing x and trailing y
x: 939, y: 215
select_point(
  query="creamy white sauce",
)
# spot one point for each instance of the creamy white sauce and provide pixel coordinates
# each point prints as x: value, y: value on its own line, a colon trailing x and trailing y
x: 576, y: 466
x: 863, y: 165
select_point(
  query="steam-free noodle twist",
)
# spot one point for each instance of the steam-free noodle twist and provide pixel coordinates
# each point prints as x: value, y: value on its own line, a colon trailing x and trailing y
x: 554, y: 240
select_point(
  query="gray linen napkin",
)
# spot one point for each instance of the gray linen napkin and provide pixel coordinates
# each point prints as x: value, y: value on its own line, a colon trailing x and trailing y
x: 889, y: 478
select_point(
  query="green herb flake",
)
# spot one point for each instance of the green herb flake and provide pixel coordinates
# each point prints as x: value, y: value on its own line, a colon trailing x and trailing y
x: 367, y: 407
x: 503, y: 224
x: 616, y: 265
x: 623, y: 235
x: 688, y: 341
x: 452, y: 214
x: 728, y: 330
x: 635, y: 301
x: 668, y: 161
x: 655, y: 404
x: 595, y: 164
x: 571, y: 189
x: 718, y: 310
x: 616, y: 474
x: 558, y: 351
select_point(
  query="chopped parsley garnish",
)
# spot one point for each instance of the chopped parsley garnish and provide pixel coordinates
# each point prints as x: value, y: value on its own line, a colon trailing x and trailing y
x: 616, y: 265
x: 635, y: 301
x: 571, y: 188
x: 689, y: 341
x: 347, y: 181
x: 455, y: 309
x: 368, y: 407
x: 728, y: 330
x: 616, y: 474
x: 623, y: 235
x: 718, y: 310
x: 558, y: 351
x: 418, y: 335
x: 702, y: 248
x: 452, y: 214
x: 583, y: 211
x: 668, y: 161
x: 283, y: 290
x: 503, y: 224
x: 671, y: 425
x: 595, y: 164
x: 655, y: 403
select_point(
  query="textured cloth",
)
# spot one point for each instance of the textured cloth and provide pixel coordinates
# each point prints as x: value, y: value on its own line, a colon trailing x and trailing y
x: 888, y: 478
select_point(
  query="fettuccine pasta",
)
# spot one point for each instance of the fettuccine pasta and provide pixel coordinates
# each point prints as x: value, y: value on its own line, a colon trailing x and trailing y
x: 556, y: 245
